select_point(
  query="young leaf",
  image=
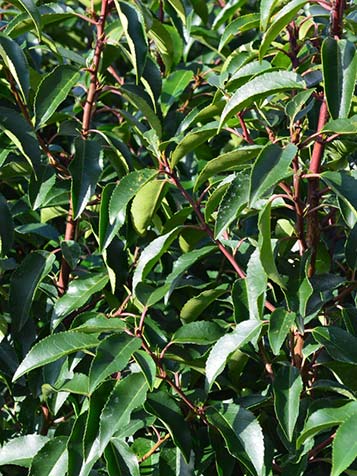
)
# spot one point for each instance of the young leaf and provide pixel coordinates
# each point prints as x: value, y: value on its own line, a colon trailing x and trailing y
x: 271, y: 166
x: 340, y: 344
x: 54, y: 347
x: 146, y: 203
x: 195, y: 306
x: 24, y: 282
x: 52, y: 459
x: 280, y: 323
x: 287, y: 387
x: 339, y: 66
x: 85, y: 169
x: 16, y: 62
x: 113, y: 354
x: 21, y: 450
x: 344, y: 447
x: 244, y: 333
x: 52, y: 91
x: 6, y: 227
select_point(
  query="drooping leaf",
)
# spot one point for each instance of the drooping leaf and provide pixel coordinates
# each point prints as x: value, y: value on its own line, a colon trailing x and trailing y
x: 85, y: 169
x: 280, y: 323
x: 29, y: 6
x: 244, y: 333
x: 146, y: 203
x: 147, y: 366
x: 24, y: 282
x: 52, y: 459
x: 339, y: 66
x: 344, y: 446
x: 342, y: 126
x: 6, y: 227
x: 194, y: 307
x: 340, y: 344
x: 287, y: 387
x: 16, y: 62
x: 112, y: 355
x: 21, y: 450
x: 54, y: 347
x: 121, y: 460
x: 52, y: 91
x: 256, y: 286
x: 258, y: 88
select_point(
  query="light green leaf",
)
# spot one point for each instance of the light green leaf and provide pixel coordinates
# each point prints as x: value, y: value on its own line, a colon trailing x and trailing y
x: 344, y: 446
x: 258, y: 88
x: 342, y: 126
x: 52, y: 459
x: 6, y: 227
x: 266, y: 10
x: 287, y: 387
x: 78, y: 384
x: 120, y: 458
x: 24, y: 282
x: 200, y: 332
x: 340, y: 344
x: 147, y: 366
x: 16, y: 62
x: 113, y: 354
x: 256, y: 286
x: 195, y: 306
x: 239, y: 25
x: 244, y: 333
x: 178, y: 6
x: 95, y: 323
x: 280, y: 323
x: 173, y: 87
x: 278, y: 23
x: 21, y: 450
x: 339, y: 66
x: 52, y: 91
x: 344, y: 184
x: 146, y: 203
x: 78, y: 293
x: 54, y: 347
x: 271, y: 166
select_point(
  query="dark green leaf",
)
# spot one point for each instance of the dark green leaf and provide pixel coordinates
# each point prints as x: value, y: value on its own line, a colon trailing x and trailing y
x: 201, y: 332
x: 121, y: 460
x: 351, y: 248
x: 40, y: 185
x: 341, y: 345
x: 52, y: 459
x: 16, y: 62
x: 96, y: 323
x: 173, y: 87
x: 147, y: 366
x: 21, y: 450
x: 344, y: 447
x: 280, y: 323
x: 241, y: 24
x: 6, y: 227
x: 30, y: 8
x: 344, y: 184
x: 71, y: 252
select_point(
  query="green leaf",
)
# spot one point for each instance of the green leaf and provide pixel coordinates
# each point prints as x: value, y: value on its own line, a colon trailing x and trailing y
x: 265, y: 246
x: 287, y: 387
x: 244, y: 333
x: 120, y: 458
x: 279, y: 22
x: 266, y: 10
x: 151, y: 255
x: 133, y: 25
x: 239, y: 25
x: 201, y: 333
x: 21, y: 450
x: 126, y: 189
x: 85, y: 169
x: 163, y: 41
x: 295, y: 104
x: 54, y: 347
x: 344, y: 446
x: 16, y: 62
x: 78, y: 293
x: 21, y: 134
x: 339, y: 66
x: 256, y: 286
x: 258, y: 88
x: 52, y: 91
x: 178, y: 6
x: 147, y: 366
x: 271, y: 166
x: 351, y: 248
x: 167, y: 410
x: 79, y: 384
x: 24, y: 282
x: 173, y: 87
x: 113, y: 354
x: 97, y: 323
x: 280, y: 323
x: 341, y: 345
x: 227, y: 162
x: 192, y: 140
x: 324, y: 419
x: 40, y: 185
x: 344, y: 184
x: 146, y: 203
x: 30, y: 8
x: 195, y: 306
x: 52, y: 459
x: 107, y: 231
x: 342, y: 126
x: 71, y: 252
x: 233, y: 202
x: 242, y: 434
x: 6, y: 227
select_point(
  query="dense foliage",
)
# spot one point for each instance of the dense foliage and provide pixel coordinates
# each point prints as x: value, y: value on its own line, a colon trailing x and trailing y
x: 178, y: 238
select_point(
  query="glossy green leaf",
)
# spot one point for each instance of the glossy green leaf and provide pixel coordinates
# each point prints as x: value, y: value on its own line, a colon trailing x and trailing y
x: 52, y: 91
x: 22, y: 449
x: 325, y: 418
x: 351, y: 248
x: 78, y: 293
x: 21, y: 134
x: 244, y: 333
x: 239, y: 25
x: 147, y: 366
x: 146, y: 203
x: 280, y: 323
x: 133, y: 24
x: 173, y: 87
x: 107, y: 230
x: 113, y: 354
x: 344, y: 184
x: 79, y: 384
x: 200, y: 332
x: 24, y: 282
x: 194, y: 307
x: 340, y: 344
x: 233, y: 202
x: 16, y: 62
x: 97, y: 323
x: 258, y: 88
x: 287, y: 387
x: 40, y: 185
x: 120, y: 458
x: 85, y: 169
x: 54, y: 347
x: 29, y: 6
x: 256, y: 286
x: 266, y: 10
x: 227, y: 162
x: 126, y: 189
x: 339, y: 66
x: 71, y: 252
x: 179, y: 7
x: 278, y: 23
x: 163, y: 41
x: 52, y: 459
x: 295, y: 104
x: 6, y: 227
x: 271, y: 166
x: 167, y: 410
x: 344, y: 446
